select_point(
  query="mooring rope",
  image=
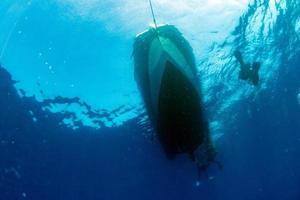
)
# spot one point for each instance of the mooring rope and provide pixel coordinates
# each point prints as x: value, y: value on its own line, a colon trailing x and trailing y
x: 153, y: 15
x: 154, y: 21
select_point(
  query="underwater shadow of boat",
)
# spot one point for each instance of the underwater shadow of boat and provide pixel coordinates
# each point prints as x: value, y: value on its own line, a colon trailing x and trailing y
x: 166, y: 74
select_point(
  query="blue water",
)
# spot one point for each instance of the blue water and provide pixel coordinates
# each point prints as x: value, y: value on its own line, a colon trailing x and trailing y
x: 72, y: 122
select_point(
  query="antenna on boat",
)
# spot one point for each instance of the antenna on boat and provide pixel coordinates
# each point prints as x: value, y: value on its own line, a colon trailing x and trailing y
x: 153, y: 15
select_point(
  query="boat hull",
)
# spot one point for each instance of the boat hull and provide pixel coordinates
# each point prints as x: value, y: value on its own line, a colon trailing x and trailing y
x: 166, y: 74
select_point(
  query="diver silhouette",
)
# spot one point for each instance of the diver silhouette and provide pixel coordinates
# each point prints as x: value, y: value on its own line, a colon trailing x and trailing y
x: 203, y: 157
x: 248, y: 71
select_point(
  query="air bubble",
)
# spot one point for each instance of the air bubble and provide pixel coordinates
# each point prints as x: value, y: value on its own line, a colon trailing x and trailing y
x: 24, y: 194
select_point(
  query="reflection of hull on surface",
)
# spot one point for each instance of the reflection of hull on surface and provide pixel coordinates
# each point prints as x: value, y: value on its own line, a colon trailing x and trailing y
x: 166, y: 75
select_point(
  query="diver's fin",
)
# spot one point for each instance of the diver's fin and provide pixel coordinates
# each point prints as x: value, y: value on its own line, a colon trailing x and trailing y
x: 256, y: 66
x: 255, y: 79
x: 202, y: 170
x: 239, y: 57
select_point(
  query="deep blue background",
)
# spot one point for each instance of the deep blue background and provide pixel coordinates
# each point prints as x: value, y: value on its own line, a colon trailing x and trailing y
x: 45, y: 160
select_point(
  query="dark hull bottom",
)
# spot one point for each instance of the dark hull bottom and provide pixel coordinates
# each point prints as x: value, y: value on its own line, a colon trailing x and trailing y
x: 180, y: 124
